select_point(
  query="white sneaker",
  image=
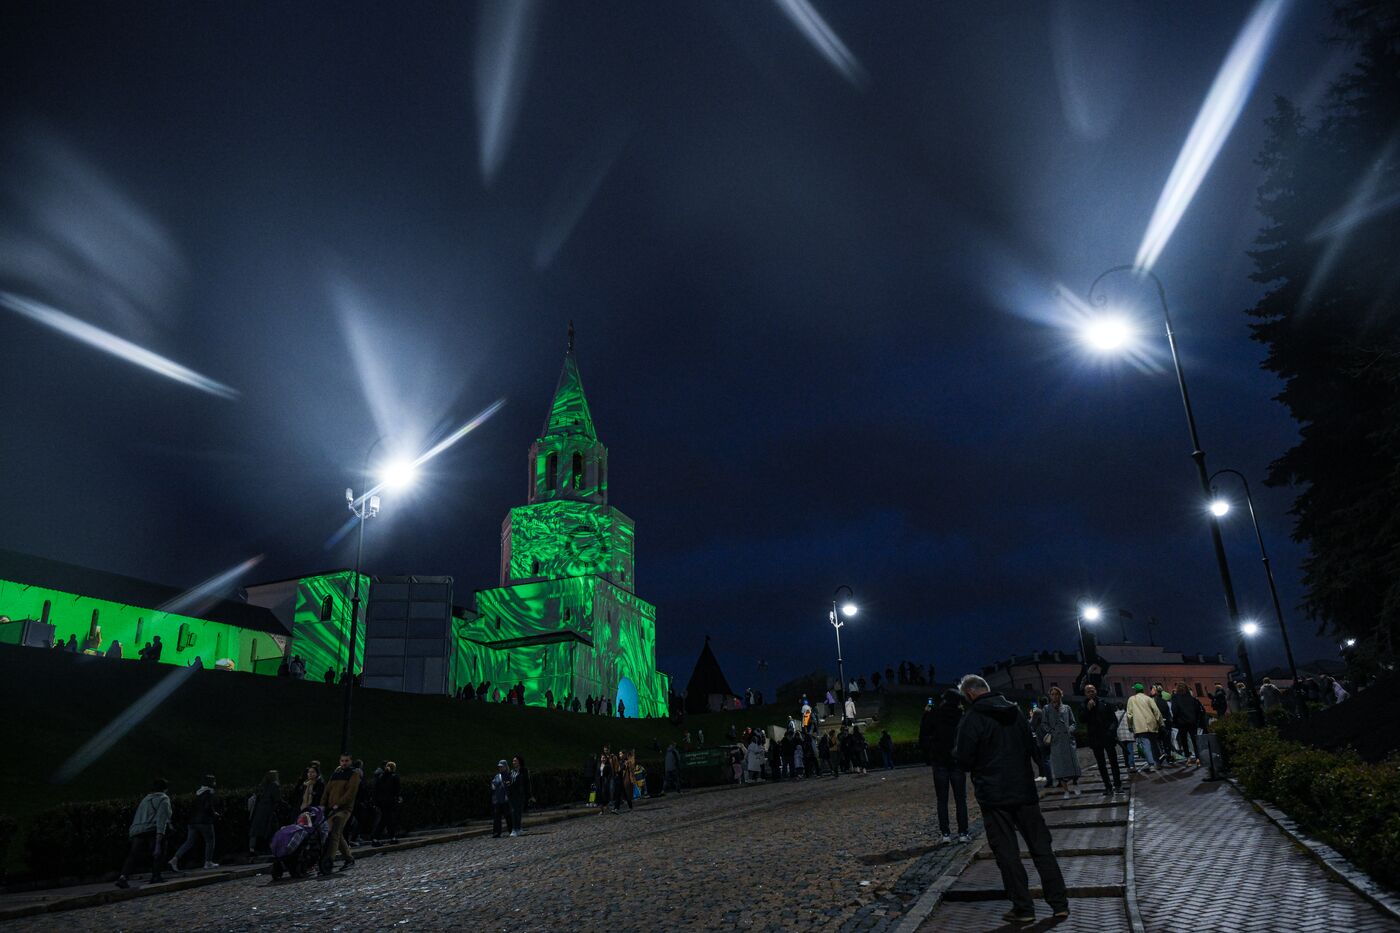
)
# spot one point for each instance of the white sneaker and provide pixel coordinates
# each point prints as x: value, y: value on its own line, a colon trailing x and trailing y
x: 947, y: 838
x: 211, y: 864
x: 513, y: 833
x: 964, y: 837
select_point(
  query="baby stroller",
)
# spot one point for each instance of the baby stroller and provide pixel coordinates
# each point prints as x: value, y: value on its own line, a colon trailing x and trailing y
x: 296, y: 848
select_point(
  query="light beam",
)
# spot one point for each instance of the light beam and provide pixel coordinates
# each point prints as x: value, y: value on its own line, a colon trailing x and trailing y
x: 439, y: 447
x: 1217, y: 117
x: 822, y: 38
x: 100, y: 339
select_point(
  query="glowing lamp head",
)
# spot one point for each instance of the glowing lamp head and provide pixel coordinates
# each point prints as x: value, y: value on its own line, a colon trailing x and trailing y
x: 1250, y: 628
x: 1219, y: 507
x: 399, y: 474
x: 1350, y: 642
x: 1106, y: 334
x: 848, y: 610
x: 1092, y: 613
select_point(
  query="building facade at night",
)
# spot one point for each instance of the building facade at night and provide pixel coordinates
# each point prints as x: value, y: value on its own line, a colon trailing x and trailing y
x: 566, y: 617
x: 112, y: 615
x: 1128, y: 664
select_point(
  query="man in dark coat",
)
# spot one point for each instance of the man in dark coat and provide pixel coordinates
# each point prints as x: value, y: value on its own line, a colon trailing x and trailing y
x: 947, y: 776
x: 1101, y: 735
x: 1219, y: 701
x: 1187, y: 715
x: 994, y: 744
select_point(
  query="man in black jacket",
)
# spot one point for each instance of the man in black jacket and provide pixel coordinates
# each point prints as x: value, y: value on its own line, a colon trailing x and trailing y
x: 994, y: 744
x: 947, y: 776
x: 1101, y: 728
x: 1188, y: 715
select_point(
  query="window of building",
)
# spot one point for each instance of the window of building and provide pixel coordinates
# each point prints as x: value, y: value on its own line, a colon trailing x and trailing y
x: 327, y: 609
x: 551, y: 472
x: 44, y: 613
x: 534, y: 568
x: 578, y: 471
x: 1118, y: 688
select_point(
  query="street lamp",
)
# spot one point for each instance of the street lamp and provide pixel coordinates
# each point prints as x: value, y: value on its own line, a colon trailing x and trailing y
x: 1249, y: 628
x: 1088, y: 612
x: 1094, y: 335
x: 848, y: 609
x: 1219, y: 507
x: 1268, y: 572
x: 398, y: 474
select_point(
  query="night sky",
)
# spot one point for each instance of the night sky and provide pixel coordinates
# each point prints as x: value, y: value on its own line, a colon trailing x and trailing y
x: 815, y: 309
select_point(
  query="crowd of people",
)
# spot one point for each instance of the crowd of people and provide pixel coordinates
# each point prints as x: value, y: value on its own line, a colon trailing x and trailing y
x: 353, y: 806
x: 515, y: 695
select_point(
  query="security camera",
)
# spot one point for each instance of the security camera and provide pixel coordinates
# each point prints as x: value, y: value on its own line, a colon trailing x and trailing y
x: 374, y: 505
x: 349, y: 494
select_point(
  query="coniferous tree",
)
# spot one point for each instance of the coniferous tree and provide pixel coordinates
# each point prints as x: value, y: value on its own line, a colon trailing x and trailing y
x: 1329, y: 254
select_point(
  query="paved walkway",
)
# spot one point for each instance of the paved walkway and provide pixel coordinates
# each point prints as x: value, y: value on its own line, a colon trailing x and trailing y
x: 833, y: 855
x: 1204, y: 859
x: 1207, y: 860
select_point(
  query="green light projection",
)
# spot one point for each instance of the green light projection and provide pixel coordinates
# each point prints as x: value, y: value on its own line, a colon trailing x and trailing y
x: 321, y: 622
x: 564, y: 538
x: 565, y: 617
x: 184, y: 638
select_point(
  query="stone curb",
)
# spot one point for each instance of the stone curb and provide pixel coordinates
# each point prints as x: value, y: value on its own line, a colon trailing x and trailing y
x: 1130, y: 901
x: 933, y: 895
x: 116, y: 895
x: 1332, y: 861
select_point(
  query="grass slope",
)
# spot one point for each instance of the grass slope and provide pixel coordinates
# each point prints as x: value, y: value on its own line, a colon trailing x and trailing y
x: 238, y: 726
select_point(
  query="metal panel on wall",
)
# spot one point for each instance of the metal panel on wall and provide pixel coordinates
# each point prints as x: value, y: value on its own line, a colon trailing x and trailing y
x: 408, y: 642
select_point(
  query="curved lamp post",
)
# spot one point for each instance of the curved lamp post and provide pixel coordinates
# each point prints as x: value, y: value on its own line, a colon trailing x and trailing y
x: 1107, y: 340
x: 1220, y: 507
x: 848, y: 609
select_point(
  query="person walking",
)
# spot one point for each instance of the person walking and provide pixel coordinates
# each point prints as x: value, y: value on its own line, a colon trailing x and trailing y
x: 388, y: 790
x: 1162, y: 699
x: 947, y: 775
x: 500, y: 800
x: 1145, y: 721
x: 341, y: 791
x: 622, y: 782
x: 262, y: 812
x: 520, y: 795
x: 1101, y: 735
x: 671, y: 768
x: 201, y: 824
x: 994, y: 743
x: 1060, y: 725
x: 603, y: 774
x: 886, y: 750
x: 1188, y: 715
x: 1126, y: 741
x: 147, y: 833
x: 1041, y: 754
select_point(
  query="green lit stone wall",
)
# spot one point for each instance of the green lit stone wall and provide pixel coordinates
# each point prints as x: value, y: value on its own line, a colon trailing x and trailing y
x: 621, y: 627
x: 319, y: 637
x: 184, y: 638
x: 562, y: 538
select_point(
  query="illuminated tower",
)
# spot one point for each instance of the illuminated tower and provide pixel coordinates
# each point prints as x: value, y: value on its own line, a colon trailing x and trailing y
x: 566, y: 617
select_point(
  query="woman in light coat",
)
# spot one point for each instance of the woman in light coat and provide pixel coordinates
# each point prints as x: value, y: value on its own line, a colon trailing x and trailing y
x: 1059, y: 724
x: 1127, y: 742
x: 754, y: 759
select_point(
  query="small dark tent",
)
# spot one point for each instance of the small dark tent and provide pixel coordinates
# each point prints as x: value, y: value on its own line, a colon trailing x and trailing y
x: 707, y: 691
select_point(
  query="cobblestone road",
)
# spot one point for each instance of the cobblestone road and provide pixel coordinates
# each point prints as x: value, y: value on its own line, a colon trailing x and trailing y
x: 809, y: 855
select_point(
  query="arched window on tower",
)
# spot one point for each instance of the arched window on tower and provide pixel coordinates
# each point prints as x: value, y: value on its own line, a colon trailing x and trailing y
x: 578, y: 471
x: 327, y: 609
x: 551, y: 472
